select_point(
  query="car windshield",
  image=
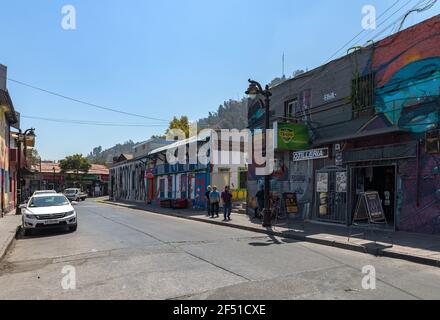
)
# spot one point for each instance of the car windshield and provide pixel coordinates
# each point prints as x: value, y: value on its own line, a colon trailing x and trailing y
x: 48, y: 201
x: 70, y: 191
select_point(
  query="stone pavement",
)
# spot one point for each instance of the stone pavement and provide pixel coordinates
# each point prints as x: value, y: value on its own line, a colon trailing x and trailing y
x: 9, y: 225
x: 419, y: 248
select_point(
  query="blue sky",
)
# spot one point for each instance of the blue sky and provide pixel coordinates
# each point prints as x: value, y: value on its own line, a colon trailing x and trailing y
x: 161, y: 58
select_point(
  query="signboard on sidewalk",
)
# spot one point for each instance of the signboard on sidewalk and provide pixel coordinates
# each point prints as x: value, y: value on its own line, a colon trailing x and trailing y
x: 290, y: 203
x: 370, y: 208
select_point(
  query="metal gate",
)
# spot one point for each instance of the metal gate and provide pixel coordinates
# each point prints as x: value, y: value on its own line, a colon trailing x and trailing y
x: 331, y: 186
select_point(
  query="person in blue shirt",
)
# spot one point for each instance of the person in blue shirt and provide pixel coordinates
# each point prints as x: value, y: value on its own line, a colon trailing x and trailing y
x: 214, y: 199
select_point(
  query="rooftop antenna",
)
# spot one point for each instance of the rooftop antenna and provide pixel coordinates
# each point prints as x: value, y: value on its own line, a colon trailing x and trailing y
x: 284, y: 75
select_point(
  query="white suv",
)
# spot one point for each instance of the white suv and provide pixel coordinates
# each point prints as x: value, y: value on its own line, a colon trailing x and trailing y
x: 48, y: 211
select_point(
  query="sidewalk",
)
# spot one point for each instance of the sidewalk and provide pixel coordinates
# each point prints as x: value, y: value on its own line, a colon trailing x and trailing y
x: 8, y: 228
x: 418, y: 248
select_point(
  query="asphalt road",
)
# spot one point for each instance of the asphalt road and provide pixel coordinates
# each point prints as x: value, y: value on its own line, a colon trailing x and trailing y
x: 121, y: 253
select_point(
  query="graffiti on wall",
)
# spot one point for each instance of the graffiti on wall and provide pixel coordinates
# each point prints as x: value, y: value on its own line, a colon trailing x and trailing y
x: 420, y: 205
x: 407, y: 75
x: 407, y: 69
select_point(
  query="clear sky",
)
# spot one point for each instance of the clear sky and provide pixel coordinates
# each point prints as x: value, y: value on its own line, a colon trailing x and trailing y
x: 161, y: 58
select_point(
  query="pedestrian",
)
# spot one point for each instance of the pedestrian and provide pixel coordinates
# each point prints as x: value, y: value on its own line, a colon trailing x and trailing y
x: 214, y: 198
x: 227, y: 203
x: 260, y: 202
x: 208, y: 203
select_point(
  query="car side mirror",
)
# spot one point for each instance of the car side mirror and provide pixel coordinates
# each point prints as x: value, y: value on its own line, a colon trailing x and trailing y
x: 22, y: 206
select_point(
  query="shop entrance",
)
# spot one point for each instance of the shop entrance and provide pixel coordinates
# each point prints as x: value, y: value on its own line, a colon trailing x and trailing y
x: 376, y: 178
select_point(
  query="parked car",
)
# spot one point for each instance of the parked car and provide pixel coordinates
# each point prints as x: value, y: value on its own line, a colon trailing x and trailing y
x: 75, y: 194
x: 44, y: 192
x: 48, y: 211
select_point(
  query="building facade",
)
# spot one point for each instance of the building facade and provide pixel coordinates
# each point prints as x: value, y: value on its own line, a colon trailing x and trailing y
x: 373, y: 122
x: 48, y: 176
x: 8, y: 119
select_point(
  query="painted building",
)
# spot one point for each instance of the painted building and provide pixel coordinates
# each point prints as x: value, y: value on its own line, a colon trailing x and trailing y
x: 48, y: 176
x: 8, y: 118
x: 128, y: 172
x: 188, y: 180
x: 373, y: 121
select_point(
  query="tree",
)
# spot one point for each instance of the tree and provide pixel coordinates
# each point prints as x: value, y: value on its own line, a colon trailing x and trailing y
x: 33, y: 157
x: 76, y: 163
x: 182, y: 124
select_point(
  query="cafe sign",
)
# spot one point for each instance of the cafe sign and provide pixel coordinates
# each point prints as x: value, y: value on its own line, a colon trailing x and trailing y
x: 311, y: 154
x: 290, y: 136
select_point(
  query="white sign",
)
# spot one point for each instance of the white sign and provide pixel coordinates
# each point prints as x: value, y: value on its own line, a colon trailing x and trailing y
x: 311, y: 154
x: 329, y: 96
x: 322, y: 182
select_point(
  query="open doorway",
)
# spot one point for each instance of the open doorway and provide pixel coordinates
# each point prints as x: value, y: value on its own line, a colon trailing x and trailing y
x: 376, y: 178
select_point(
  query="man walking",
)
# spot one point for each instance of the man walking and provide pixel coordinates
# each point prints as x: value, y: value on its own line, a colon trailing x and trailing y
x: 214, y: 198
x: 227, y: 203
x: 208, y: 203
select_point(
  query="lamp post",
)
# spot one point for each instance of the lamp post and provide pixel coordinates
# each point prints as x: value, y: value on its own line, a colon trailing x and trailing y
x: 28, y: 135
x: 253, y: 91
x: 53, y: 178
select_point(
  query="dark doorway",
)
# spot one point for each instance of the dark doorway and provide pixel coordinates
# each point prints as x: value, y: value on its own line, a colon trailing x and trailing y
x: 377, y: 178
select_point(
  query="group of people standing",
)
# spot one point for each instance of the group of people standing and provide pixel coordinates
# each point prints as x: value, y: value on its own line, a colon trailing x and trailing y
x: 213, y: 198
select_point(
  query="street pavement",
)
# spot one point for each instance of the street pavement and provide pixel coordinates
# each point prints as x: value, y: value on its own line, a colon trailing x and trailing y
x: 120, y: 253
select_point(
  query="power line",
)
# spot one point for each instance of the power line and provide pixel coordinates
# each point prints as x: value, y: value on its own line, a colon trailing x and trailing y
x: 389, y: 17
x: 101, y: 107
x: 380, y: 33
x: 93, y: 123
x: 362, y: 31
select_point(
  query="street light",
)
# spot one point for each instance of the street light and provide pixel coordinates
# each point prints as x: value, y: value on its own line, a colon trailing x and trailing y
x: 28, y: 137
x: 252, y: 92
x: 53, y: 170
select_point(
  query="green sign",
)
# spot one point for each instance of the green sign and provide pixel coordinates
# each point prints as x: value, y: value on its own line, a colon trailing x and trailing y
x: 290, y: 136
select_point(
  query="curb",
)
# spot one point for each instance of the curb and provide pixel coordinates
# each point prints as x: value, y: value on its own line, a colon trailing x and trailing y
x: 330, y: 243
x: 9, y: 243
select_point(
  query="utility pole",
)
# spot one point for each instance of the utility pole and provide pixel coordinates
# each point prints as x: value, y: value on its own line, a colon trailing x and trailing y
x: 253, y: 91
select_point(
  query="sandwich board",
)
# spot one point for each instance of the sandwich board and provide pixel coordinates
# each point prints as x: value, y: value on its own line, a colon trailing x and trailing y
x: 370, y: 208
x: 290, y: 203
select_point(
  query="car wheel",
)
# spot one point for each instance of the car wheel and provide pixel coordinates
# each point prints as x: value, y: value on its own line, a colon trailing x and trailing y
x: 73, y: 229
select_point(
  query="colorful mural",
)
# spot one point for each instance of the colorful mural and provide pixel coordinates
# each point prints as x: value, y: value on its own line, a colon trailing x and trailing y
x: 407, y: 69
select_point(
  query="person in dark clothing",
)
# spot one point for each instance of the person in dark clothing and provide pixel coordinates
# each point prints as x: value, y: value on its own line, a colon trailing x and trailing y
x: 227, y: 203
x: 260, y: 202
x: 208, y: 203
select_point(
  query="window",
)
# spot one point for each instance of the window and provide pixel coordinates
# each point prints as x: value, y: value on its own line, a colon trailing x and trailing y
x: 433, y: 142
x: 291, y: 108
x: 362, y: 95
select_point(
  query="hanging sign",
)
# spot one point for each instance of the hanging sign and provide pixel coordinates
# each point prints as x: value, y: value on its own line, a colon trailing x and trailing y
x: 311, y: 154
x: 290, y: 136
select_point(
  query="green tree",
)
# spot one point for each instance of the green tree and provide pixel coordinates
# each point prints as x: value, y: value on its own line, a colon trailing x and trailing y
x: 181, y: 123
x: 33, y: 157
x: 76, y: 163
